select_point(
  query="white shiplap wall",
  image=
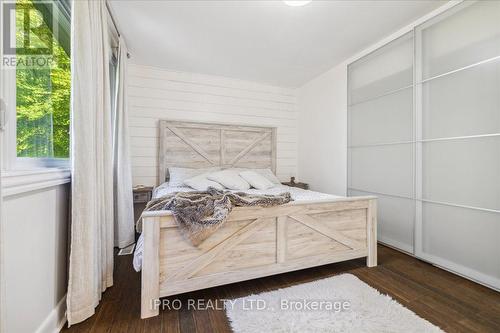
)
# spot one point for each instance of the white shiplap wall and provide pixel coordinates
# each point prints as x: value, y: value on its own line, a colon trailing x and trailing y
x: 156, y: 93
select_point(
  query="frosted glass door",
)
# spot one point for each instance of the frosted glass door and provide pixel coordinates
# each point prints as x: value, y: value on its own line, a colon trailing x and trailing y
x: 424, y: 137
x: 463, y: 103
x: 464, y: 240
x: 462, y: 171
x: 369, y: 120
x: 458, y: 149
x: 384, y: 71
x: 385, y: 169
x: 381, y: 140
x: 395, y: 220
x: 460, y: 37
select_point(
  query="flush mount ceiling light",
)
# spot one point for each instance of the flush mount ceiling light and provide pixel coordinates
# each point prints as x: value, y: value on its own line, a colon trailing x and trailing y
x: 296, y: 3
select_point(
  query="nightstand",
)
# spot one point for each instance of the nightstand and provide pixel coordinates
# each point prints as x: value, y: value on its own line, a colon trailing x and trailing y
x: 292, y: 183
x: 142, y: 195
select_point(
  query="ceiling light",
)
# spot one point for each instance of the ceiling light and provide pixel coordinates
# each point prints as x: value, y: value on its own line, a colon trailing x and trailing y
x: 296, y: 3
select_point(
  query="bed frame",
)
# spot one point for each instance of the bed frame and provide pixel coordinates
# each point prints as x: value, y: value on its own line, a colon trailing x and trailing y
x: 254, y: 242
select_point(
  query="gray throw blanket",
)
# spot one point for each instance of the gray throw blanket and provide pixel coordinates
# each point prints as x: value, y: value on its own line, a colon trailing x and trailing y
x: 200, y: 213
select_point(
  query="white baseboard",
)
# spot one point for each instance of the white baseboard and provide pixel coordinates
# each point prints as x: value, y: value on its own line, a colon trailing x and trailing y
x: 55, y: 320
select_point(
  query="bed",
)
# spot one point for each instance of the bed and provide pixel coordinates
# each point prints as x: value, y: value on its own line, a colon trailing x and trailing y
x: 315, y: 229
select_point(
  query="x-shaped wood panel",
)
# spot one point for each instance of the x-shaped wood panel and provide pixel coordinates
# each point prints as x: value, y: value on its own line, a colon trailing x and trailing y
x: 208, y: 257
x: 329, y: 232
x: 197, y: 148
x: 253, y: 227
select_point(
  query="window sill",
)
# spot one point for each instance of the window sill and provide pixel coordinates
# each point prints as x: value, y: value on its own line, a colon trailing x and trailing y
x: 18, y: 182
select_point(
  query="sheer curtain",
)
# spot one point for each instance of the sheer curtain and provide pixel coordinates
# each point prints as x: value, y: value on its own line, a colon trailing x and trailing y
x: 124, y: 209
x: 91, y: 257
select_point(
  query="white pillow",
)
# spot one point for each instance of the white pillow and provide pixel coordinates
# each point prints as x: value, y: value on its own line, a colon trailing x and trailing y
x: 202, y: 183
x: 269, y: 175
x: 256, y: 180
x: 177, y: 176
x: 230, y: 179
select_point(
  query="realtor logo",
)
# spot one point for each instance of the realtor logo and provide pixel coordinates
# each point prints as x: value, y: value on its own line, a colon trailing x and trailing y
x: 28, y: 30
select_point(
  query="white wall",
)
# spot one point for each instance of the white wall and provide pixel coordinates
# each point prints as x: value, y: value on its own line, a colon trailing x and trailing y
x: 35, y: 229
x: 161, y: 94
x: 323, y: 132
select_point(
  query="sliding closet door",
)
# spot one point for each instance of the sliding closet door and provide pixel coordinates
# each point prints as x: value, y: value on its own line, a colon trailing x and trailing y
x: 381, y: 140
x: 428, y: 145
x: 458, y: 141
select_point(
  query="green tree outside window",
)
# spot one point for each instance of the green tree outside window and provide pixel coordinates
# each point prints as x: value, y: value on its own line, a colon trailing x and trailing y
x: 43, y: 97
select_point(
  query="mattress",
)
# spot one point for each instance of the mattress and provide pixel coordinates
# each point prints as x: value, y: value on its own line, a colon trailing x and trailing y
x: 297, y: 194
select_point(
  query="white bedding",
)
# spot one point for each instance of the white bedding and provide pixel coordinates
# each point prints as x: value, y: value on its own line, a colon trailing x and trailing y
x: 297, y: 194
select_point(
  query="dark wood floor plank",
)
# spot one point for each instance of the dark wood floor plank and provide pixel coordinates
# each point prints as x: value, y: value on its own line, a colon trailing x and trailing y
x: 476, y: 326
x: 427, y: 312
x: 125, y: 319
x: 447, y: 285
x: 170, y: 321
x: 153, y: 325
x: 383, y: 287
x: 186, y: 320
x: 447, y: 300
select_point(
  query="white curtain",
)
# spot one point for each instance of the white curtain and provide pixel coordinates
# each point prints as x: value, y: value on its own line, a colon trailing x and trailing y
x: 124, y: 207
x: 91, y: 257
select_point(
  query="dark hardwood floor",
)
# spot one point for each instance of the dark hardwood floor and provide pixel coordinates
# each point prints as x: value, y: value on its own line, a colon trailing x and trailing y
x: 449, y: 301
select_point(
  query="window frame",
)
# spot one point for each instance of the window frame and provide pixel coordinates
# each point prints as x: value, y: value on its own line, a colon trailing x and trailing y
x: 10, y: 160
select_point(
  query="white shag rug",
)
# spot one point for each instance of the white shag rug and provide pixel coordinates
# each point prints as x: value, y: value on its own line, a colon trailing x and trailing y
x: 342, y: 303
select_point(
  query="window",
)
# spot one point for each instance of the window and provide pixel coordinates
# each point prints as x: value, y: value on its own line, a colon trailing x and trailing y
x: 43, y: 88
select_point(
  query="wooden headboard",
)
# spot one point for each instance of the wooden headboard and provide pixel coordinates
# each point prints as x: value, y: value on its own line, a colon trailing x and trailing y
x: 204, y: 145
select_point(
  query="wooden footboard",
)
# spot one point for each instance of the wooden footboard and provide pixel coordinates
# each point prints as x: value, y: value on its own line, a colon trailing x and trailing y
x: 255, y: 242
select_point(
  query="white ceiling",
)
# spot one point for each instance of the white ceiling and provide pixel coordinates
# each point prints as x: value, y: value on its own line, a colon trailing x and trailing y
x: 263, y: 41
